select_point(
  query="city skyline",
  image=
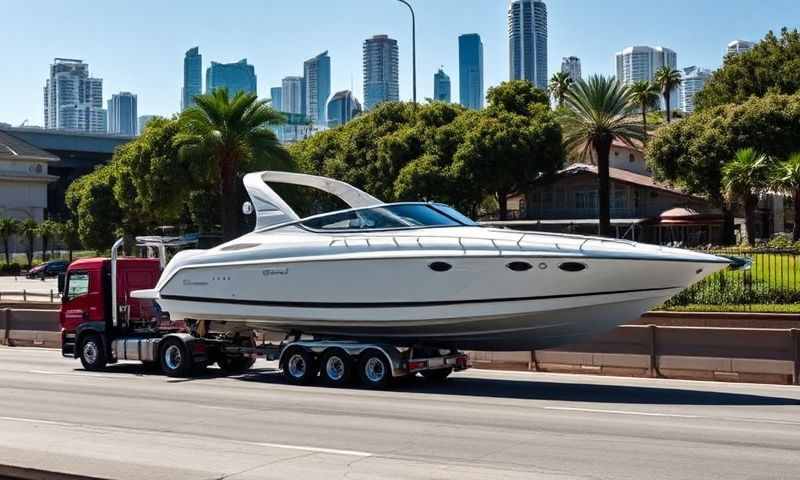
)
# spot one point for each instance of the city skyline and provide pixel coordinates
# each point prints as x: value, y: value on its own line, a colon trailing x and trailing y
x: 158, y: 46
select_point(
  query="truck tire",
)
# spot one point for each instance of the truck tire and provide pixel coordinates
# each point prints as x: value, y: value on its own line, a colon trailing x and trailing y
x: 336, y: 367
x: 299, y: 366
x: 93, y: 353
x: 437, y: 376
x: 374, y: 369
x: 234, y: 365
x: 175, y: 358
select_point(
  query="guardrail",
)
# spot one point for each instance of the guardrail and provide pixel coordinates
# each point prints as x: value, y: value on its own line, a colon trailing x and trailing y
x: 53, y: 296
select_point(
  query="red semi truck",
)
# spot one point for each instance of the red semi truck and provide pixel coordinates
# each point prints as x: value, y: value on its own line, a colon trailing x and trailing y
x: 101, y: 323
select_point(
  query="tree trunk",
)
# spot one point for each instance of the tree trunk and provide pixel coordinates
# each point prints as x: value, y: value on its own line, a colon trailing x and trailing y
x: 644, y: 124
x: 69, y: 250
x: 728, y: 227
x: 29, y: 252
x: 603, y: 149
x: 44, y: 249
x: 5, y: 249
x: 230, y: 198
x: 666, y: 102
x: 502, y: 201
x: 750, y: 204
x: 796, y: 228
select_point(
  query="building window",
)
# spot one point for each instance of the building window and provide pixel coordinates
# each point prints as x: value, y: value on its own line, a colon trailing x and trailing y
x: 631, y: 158
x: 618, y: 198
x: 586, y: 200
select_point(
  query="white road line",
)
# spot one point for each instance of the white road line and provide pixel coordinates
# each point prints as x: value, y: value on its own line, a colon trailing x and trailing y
x: 621, y: 412
x: 80, y: 374
x: 34, y: 420
x: 351, y: 453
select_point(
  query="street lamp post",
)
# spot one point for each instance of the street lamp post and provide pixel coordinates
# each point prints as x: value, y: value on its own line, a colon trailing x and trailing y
x: 413, y: 50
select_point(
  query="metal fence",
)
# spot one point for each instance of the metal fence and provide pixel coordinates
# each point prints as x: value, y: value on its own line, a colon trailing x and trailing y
x: 772, y: 278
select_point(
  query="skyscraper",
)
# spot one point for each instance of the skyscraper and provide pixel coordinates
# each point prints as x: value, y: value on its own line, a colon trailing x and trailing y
x: 470, y: 71
x: 143, y: 121
x: 192, y: 77
x: 276, y: 96
x: 739, y: 46
x: 641, y: 62
x: 72, y: 99
x: 317, y: 76
x: 237, y: 77
x: 527, y: 41
x: 381, y: 70
x: 693, y: 80
x: 342, y: 108
x: 571, y: 66
x: 441, y: 86
x: 122, y: 116
x: 292, y: 95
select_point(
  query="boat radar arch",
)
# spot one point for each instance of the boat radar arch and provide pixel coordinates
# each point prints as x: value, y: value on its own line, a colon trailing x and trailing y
x: 271, y: 209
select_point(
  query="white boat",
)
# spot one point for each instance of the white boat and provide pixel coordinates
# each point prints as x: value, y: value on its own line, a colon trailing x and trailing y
x: 418, y: 274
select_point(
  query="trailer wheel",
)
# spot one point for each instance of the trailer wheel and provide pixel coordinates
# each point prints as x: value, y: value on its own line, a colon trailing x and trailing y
x: 336, y: 367
x: 437, y: 376
x: 299, y: 367
x: 175, y: 358
x: 92, y: 353
x: 374, y: 369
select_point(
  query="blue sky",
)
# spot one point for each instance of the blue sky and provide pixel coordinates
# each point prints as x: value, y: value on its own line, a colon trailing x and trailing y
x: 139, y: 46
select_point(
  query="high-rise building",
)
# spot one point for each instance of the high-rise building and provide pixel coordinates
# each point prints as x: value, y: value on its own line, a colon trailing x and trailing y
x: 470, y: 71
x: 317, y: 76
x: 441, y: 86
x: 381, y: 70
x: 143, y: 121
x: 527, y: 41
x: 72, y: 99
x: 237, y: 77
x: 276, y: 96
x: 572, y: 67
x: 292, y: 95
x: 639, y: 63
x: 692, y: 81
x: 739, y: 46
x: 342, y: 108
x: 122, y: 116
x: 192, y: 77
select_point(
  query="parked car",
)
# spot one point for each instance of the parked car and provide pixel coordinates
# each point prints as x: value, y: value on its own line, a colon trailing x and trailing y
x: 49, y: 269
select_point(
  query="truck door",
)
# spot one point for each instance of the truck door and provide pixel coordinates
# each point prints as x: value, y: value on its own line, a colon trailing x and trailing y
x: 82, y: 300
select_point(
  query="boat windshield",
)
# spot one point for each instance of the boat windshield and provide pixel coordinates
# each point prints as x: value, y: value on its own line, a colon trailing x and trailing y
x: 404, y: 215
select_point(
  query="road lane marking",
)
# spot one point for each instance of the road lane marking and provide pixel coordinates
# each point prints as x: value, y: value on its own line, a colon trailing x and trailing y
x: 622, y: 412
x: 79, y: 374
x: 34, y: 420
x: 351, y: 453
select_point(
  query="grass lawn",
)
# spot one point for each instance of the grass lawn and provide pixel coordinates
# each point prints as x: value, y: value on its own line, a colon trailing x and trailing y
x: 775, y: 270
x: 758, y: 308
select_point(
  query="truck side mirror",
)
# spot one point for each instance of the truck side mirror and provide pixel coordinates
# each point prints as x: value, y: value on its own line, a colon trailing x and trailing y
x: 61, y: 280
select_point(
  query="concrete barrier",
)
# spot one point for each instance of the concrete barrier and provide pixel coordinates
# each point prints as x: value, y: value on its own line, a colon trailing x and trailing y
x: 30, y: 327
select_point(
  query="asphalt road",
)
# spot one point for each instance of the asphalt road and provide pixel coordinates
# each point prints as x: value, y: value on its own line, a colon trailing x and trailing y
x: 130, y: 424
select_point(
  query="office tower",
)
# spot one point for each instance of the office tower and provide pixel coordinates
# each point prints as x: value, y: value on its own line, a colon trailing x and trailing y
x: 292, y: 95
x: 342, y: 108
x: 441, y: 86
x: 143, y: 121
x: 527, y: 41
x: 192, y: 77
x: 470, y: 71
x: 381, y: 70
x: 122, y: 116
x: 72, y: 99
x: 317, y: 76
x: 641, y: 63
x: 739, y: 46
x: 572, y: 67
x: 694, y: 78
x: 276, y: 95
x: 237, y: 77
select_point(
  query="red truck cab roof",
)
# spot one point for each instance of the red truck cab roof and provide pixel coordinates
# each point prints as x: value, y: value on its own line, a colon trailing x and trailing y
x: 123, y: 262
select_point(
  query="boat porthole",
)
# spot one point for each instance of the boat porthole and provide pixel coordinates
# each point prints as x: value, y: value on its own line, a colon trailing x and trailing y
x: 542, y: 266
x: 572, y: 266
x: 440, y: 266
x: 519, y: 266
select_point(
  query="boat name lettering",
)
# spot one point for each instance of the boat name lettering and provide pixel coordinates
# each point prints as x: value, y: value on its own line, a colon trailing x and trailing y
x: 192, y: 282
x: 275, y: 271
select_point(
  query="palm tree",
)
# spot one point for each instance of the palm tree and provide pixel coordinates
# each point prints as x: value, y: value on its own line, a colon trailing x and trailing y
x: 559, y: 84
x: 29, y: 229
x: 668, y: 79
x: 598, y: 112
x: 8, y: 227
x: 232, y: 135
x: 68, y: 232
x: 743, y: 178
x: 786, y: 178
x: 644, y: 95
x: 48, y: 230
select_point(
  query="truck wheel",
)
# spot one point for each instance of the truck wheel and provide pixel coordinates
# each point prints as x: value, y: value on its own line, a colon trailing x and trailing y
x: 175, y: 358
x: 336, y: 367
x: 92, y: 353
x: 299, y: 367
x: 374, y: 369
x: 437, y: 376
x: 234, y: 365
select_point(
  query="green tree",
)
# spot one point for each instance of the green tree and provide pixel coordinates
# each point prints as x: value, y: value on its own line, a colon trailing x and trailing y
x: 91, y: 200
x: 68, y: 232
x: 743, y: 178
x: 598, y: 112
x: 559, y: 84
x: 227, y: 136
x: 668, y: 79
x: 48, y: 230
x: 772, y: 66
x: 644, y: 95
x: 515, y: 96
x: 8, y: 228
x: 29, y: 229
x: 786, y: 178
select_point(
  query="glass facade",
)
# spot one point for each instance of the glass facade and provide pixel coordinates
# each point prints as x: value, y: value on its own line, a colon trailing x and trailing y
x: 72, y: 99
x: 527, y: 41
x: 122, y: 115
x: 276, y: 96
x: 236, y: 77
x: 292, y: 95
x: 441, y: 86
x: 317, y: 79
x: 192, y: 77
x: 470, y: 71
x: 381, y: 70
x: 342, y: 108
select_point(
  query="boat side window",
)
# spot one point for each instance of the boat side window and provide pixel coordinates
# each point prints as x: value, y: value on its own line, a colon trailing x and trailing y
x: 383, y: 217
x: 77, y: 284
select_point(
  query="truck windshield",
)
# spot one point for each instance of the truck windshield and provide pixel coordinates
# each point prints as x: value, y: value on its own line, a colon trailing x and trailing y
x: 385, y: 217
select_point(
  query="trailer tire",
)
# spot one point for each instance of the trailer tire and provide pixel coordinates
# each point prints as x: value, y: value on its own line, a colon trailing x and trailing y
x: 93, y: 353
x: 336, y: 367
x: 235, y: 365
x: 175, y: 358
x: 437, y: 376
x: 374, y: 369
x: 299, y: 366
